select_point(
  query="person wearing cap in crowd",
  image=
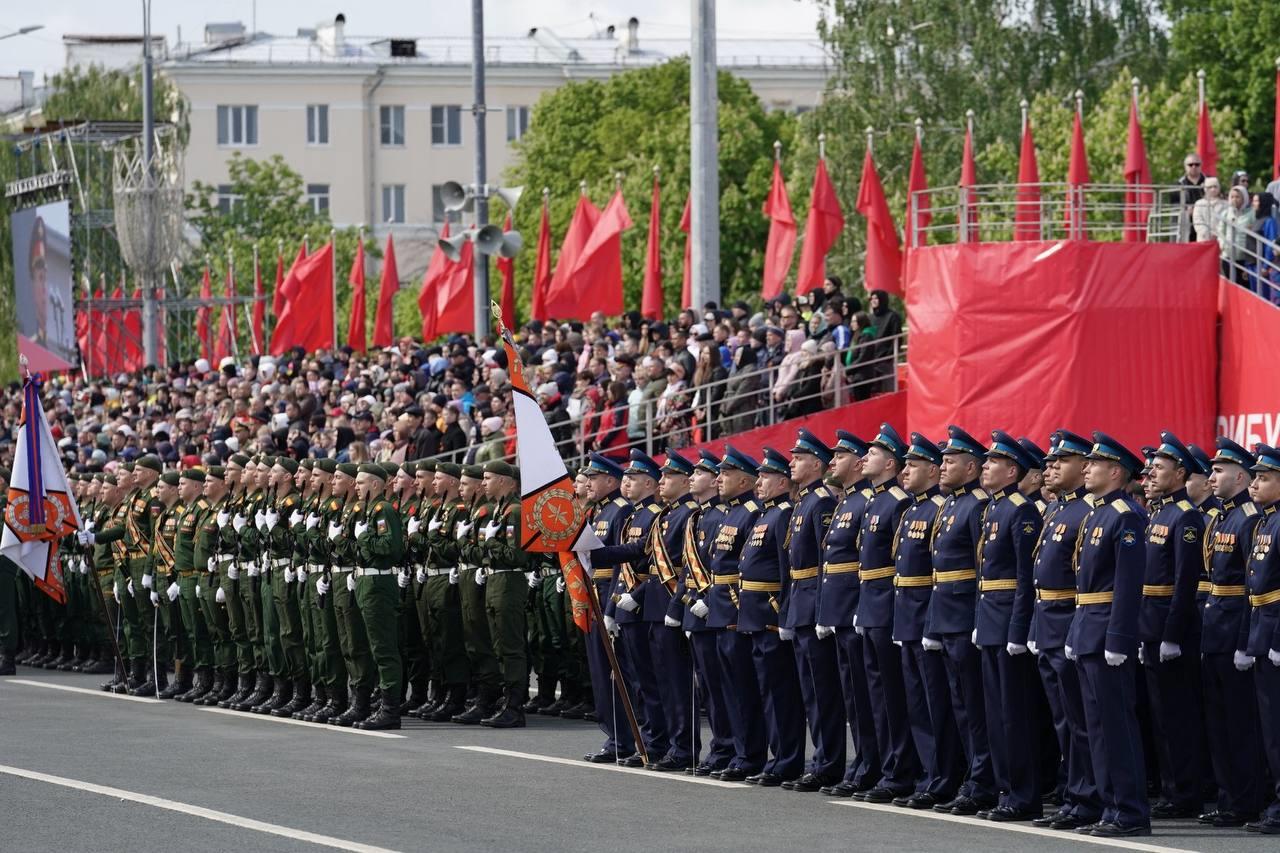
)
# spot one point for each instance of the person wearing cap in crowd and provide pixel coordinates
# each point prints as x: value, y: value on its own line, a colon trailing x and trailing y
x: 873, y: 621
x: 609, y: 515
x: 635, y: 603
x: 485, y: 674
x: 952, y: 612
x: 1169, y: 630
x: 379, y: 536
x: 113, y: 532
x: 1103, y: 637
x: 329, y: 667
x: 353, y: 636
x: 1032, y: 484
x: 1263, y: 621
x: 185, y: 577
x: 815, y: 659
x: 210, y: 590
x: 1055, y: 590
x: 924, y: 675
x: 314, y: 485
x: 440, y: 607
x: 837, y: 605
x: 160, y: 566
x: 1011, y: 526
x: 1230, y: 709
x: 255, y: 541
x: 1199, y: 490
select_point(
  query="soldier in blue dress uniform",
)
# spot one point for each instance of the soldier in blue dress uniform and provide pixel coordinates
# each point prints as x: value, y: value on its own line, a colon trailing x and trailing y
x: 924, y: 675
x: 951, y: 613
x: 1103, y: 638
x: 1263, y: 586
x: 1226, y: 672
x: 1032, y: 483
x: 1169, y: 628
x: 762, y: 597
x: 1006, y: 599
x: 838, y: 593
x: 1199, y: 489
x: 816, y: 664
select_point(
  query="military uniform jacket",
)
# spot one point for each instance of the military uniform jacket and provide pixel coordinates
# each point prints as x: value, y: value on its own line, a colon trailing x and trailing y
x: 144, y: 510
x: 382, y: 545
x: 875, y: 553
x: 913, y: 566
x: 701, y: 527
x: 160, y: 562
x: 469, y: 545
x: 840, y: 589
x: 1213, y: 510
x: 1006, y: 587
x: 1175, y: 561
x: 502, y: 551
x: 726, y: 552
x: 206, y: 536
x: 1055, y: 569
x: 1229, y: 539
x: 250, y: 544
x: 1264, y: 587
x: 609, y: 520
x: 108, y: 536
x: 298, y: 532
x: 185, y: 541
x: 634, y: 572
x: 1109, y: 570
x: 343, y: 549
x: 955, y: 559
x: 765, y: 584
x: 279, y: 539
x: 442, y: 548
x: 809, y: 522
x: 415, y: 546
x: 668, y: 555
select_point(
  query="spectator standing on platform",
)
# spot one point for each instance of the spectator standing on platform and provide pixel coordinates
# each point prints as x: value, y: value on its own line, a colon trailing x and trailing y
x: 1190, y: 190
x: 673, y: 418
x: 1233, y: 235
x: 611, y: 437
x: 708, y: 388
x: 888, y: 325
x: 1208, y: 211
x: 1266, y: 227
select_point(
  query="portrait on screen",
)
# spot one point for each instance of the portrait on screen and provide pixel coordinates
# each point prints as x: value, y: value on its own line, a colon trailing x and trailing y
x: 42, y: 285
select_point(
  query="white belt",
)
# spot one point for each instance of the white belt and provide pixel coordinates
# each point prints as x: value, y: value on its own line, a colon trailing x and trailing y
x: 364, y: 573
x: 495, y: 571
x: 464, y: 567
x: 342, y: 570
x: 435, y: 573
x: 312, y: 567
x: 280, y: 562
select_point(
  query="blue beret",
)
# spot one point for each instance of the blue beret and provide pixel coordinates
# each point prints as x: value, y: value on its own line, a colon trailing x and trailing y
x: 807, y: 442
x: 1171, y: 447
x: 775, y: 462
x: 642, y: 464
x: 734, y: 458
x: 1034, y: 453
x: 1268, y: 458
x: 888, y: 439
x: 1066, y: 443
x: 1229, y: 451
x: 959, y: 441
x: 1107, y: 448
x: 1201, y: 458
x: 597, y: 464
x: 923, y: 448
x: 677, y: 464
x: 1006, y: 446
x: 850, y: 443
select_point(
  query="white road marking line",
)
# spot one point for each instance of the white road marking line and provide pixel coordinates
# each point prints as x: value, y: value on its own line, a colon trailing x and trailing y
x: 322, y: 726
x: 84, y: 690
x: 586, y: 765
x: 1055, y: 834
x: 197, y: 811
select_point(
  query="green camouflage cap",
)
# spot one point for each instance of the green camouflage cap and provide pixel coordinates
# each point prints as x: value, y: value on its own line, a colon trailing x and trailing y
x: 286, y: 463
x: 475, y: 472
x: 349, y: 468
x: 449, y: 469
x: 502, y: 469
x: 196, y: 474
x: 170, y: 478
x: 217, y: 472
x: 239, y: 459
x: 151, y: 462
x: 327, y: 465
x: 375, y: 469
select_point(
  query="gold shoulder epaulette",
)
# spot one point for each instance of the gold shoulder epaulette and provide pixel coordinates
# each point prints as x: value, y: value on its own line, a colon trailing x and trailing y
x: 1017, y: 499
x: 822, y: 492
x: 1250, y: 510
x: 619, y: 501
x: 1185, y: 505
x: 785, y: 505
x: 939, y: 500
x: 898, y: 493
x: 752, y: 506
x: 980, y: 494
x: 867, y: 493
x: 1120, y: 506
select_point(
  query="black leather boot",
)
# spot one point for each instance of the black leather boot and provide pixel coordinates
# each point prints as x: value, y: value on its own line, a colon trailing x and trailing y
x: 450, y: 706
x: 319, y: 698
x: 137, y: 675
x: 434, y: 696
x: 244, y: 686
x: 101, y: 664
x: 269, y: 701
x: 283, y: 698
x: 509, y: 714
x: 546, y: 696
x: 262, y: 686
x: 28, y: 654
x: 334, y: 707
x: 215, y: 689
x: 7, y: 666
x: 301, y: 698
x: 147, y: 687
x: 483, y: 707
x: 49, y: 652
x: 358, y: 710
x: 386, y: 717
x: 180, y: 684
x: 73, y: 660
x: 201, y: 685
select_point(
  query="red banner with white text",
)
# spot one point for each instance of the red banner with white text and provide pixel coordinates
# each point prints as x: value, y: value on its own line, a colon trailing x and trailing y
x: 1248, y: 391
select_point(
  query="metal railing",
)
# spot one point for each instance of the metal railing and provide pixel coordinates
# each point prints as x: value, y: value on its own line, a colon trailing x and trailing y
x: 1250, y: 260
x: 737, y: 403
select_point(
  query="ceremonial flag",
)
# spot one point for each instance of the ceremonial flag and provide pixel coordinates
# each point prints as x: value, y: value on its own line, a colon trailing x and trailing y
x: 135, y: 356
x: 1137, y: 173
x: 651, y: 295
x: 507, y: 269
x: 202, y: 315
x: 277, y: 295
x: 1206, y: 146
x: 1026, y: 217
x: 98, y: 335
x: 224, y: 344
x: 597, y: 274
x: 883, y: 263
x: 969, y: 180
x: 917, y: 197
x: 40, y: 508
x: 447, y: 294
x: 356, y: 321
x: 259, y: 308
x: 826, y: 220
x: 1077, y: 177
x: 686, y: 225
x: 307, y: 318
x: 384, y: 321
x: 781, y: 244
x: 542, y: 267
x: 561, y: 299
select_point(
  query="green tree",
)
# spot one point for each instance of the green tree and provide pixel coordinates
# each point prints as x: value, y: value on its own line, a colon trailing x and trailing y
x: 588, y: 130
x: 94, y: 93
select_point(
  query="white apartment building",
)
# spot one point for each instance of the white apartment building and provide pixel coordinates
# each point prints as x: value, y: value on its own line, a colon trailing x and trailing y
x: 377, y: 125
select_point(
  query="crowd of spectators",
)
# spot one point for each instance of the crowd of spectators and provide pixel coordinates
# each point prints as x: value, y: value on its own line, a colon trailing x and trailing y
x: 1245, y: 224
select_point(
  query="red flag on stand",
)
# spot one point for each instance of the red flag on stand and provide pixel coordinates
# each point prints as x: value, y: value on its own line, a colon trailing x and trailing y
x: 134, y: 354
x: 1026, y: 217
x: 277, y: 295
x: 597, y: 274
x: 202, y: 316
x: 826, y: 220
x: 561, y: 299
x: 1206, y: 146
x: 224, y: 344
x: 542, y: 267
x: 384, y: 321
x: 883, y: 265
x: 259, y: 309
x: 781, y: 245
x: 1137, y: 173
x: 307, y: 318
x: 686, y: 225
x: 651, y: 295
x: 98, y: 337
x: 447, y: 297
x: 969, y: 180
x: 356, y: 319
x: 507, y: 269
x: 917, y: 191
x: 1077, y: 177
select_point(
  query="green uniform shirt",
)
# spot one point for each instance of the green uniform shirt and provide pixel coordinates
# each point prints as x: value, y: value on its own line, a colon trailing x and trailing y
x: 206, y: 542
x: 185, y: 541
x: 160, y: 559
x: 382, y: 545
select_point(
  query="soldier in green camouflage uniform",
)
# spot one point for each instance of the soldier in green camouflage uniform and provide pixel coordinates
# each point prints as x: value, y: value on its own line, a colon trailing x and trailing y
x: 255, y: 543
x: 485, y: 673
x: 379, y: 538
x: 351, y: 628
x: 210, y: 591
x: 187, y: 576
x: 274, y: 526
x: 160, y: 563
x: 231, y: 579
x: 409, y: 499
x: 328, y: 667
x: 242, y: 506
x: 312, y: 491
x: 143, y: 510
x: 107, y: 540
x: 440, y: 608
x: 100, y: 657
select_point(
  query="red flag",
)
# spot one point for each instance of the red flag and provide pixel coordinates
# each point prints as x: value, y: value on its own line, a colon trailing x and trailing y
x: 597, y: 274
x: 917, y: 190
x: 1077, y: 177
x: 202, y: 316
x: 356, y: 321
x: 224, y: 345
x: 686, y: 225
x: 259, y: 309
x: 826, y: 220
x: 307, y: 318
x: 1137, y: 172
x: 1206, y: 147
x: 781, y: 245
x: 134, y: 355
x: 98, y: 337
x: 277, y: 295
x: 507, y: 269
x: 884, y: 255
x: 114, y: 341
x: 384, y: 322
x: 1026, y: 218
x: 447, y: 296
x: 561, y: 299
x: 542, y: 267
x: 651, y: 296
x: 969, y: 180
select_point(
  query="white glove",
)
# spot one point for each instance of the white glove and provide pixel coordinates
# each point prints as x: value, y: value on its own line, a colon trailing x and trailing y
x: 220, y: 596
x: 787, y: 634
x: 898, y: 643
x: 289, y: 576
x: 84, y: 566
x: 335, y: 530
x: 402, y: 579
x: 931, y: 645
x: 1274, y: 657
x: 233, y: 572
x: 312, y: 520
x: 146, y: 581
x: 1033, y: 647
x: 211, y: 565
x: 295, y: 518
x: 86, y: 537
x: 361, y: 528
x: 688, y: 635
x: 532, y: 578
x: 611, y: 625
x: 239, y: 522
x: 1069, y: 652
x: 560, y: 584
x: 197, y: 590
x: 129, y: 587
x: 461, y: 529
x: 434, y: 524
x: 115, y: 591
x: 823, y: 631
x: 89, y: 524
x: 628, y: 602
x: 302, y: 574
x: 1242, y: 661
x: 1015, y: 648
x: 420, y: 575
x: 272, y: 518
x: 670, y: 622
x: 172, y: 592
x: 351, y: 582
x: 453, y: 576
x: 155, y: 598
x: 260, y: 520
x: 482, y: 575
x: 490, y: 530
x: 224, y: 518
x: 322, y: 587
x: 973, y: 638
x: 1114, y: 658
x: 699, y: 608
x: 1142, y: 654
x: 1169, y: 651
x: 254, y: 569
x: 413, y: 526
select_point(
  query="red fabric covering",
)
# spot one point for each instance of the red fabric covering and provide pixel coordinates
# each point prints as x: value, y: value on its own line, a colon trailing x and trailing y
x: 1030, y: 337
x: 1026, y: 219
x: 969, y: 180
x: 542, y: 268
x: 597, y: 273
x: 686, y: 282
x: 560, y: 298
x: 507, y: 270
x: 356, y: 319
x: 307, y: 318
x: 917, y: 182
x: 1206, y: 146
x: 1248, y: 394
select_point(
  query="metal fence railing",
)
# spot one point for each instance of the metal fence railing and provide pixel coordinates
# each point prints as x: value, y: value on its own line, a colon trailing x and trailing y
x: 1250, y: 259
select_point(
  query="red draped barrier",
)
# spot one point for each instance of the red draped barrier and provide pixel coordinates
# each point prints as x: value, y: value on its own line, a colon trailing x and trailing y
x: 1030, y: 337
x: 1248, y: 390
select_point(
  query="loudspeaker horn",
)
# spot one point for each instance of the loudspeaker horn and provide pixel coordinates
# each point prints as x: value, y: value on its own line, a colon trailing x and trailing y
x: 453, y: 195
x: 510, y: 196
x: 452, y: 246
x: 492, y: 240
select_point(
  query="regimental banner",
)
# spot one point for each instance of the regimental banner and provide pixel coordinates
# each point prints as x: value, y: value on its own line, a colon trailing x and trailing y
x: 1248, y: 340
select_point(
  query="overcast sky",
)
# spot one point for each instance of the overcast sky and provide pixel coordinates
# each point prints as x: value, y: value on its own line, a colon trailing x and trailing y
x: 42, y: 51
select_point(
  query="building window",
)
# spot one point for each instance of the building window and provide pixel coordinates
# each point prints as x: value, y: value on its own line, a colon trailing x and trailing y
x: 228, y: 199
x: 446, y: 125
x: 317, y: 124
x: 393, y: 203
x: 517, y: 122
x: 438, y: 214
x: 391, y: 121
x: 237, y: 125
x: 318, y: 198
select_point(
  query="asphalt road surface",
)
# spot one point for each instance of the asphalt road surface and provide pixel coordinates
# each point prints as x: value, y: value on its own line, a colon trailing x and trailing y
x: 81, y: 770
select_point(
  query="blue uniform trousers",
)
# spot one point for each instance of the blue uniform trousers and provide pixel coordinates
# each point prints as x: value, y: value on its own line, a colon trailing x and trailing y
x: 964, y: 677
x: 716, y: 695
x: 900, y: 766
x: 819, y: 673
x: 1009, y: 684
x: 864, y: 769
x: 639, y: 673
x: 746, y: 716
x: 670, y: 655
x: 1115, y: 742
x: 1266, y: 682
x: 775, y: 666
x: 933, y: 725
x: 1061, y: 681
x: 1232, y: 711
x: 1173, y: 688
x: 612, y: 719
